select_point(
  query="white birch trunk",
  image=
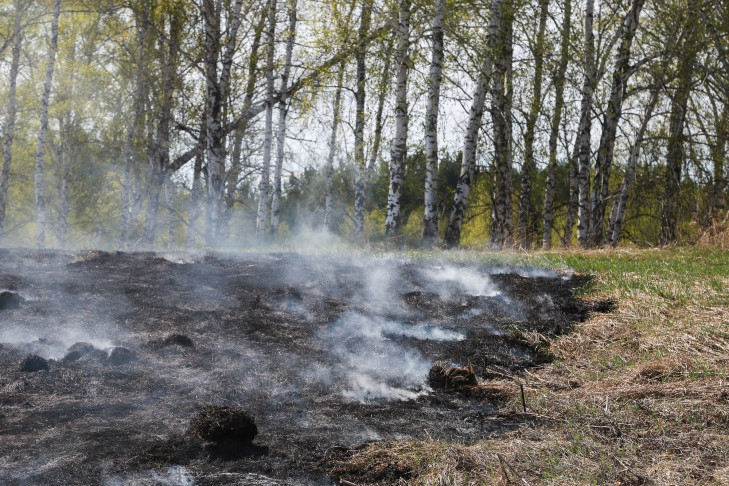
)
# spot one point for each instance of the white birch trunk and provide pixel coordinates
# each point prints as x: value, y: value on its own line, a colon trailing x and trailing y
x: 618, y: 216
x: 585, y: 127
x: 398, y: 154
x: 40, y: 198
x: 329, y: 202
x: 470, y: 144
x: 606, y: 149
x: 282, y: 111
x: 430, y: 219
x: 262, y: 213
x: 381, y: 96
x: 360, y: 184
x: 9, y: 127
x: 526, y: 208
x: 559, y: 82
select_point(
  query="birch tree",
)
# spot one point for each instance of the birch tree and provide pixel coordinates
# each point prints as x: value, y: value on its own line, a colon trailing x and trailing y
x: 40, y: 197
x: 282, y: 111
x: 262, y: 213
x: 337, y: 104
x: 398, y: 154
x: 556, y: 120
x: 606, y: 149
x: 11, y: 111
x: 501, y: 106
x: 470, y: 144
x: 687, y: 58
x: 617, y: 216
x: 585, y: 125
x: 360, y: 184
x: 529, y: 167
x: 430, y: 219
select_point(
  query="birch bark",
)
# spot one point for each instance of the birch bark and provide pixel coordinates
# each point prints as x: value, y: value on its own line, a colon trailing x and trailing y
x: 263, y: 188
x: 618, y: 214
x: 559, y: 83
x: 526, y: 208
x: 470, y: 144
x: 430, y: 219
x: 398, y: 154
x: 603, y: 164
x: 40, y: 198
x: 360, y: 185
x: 282, y: 111
x: 585, y: 126
x: 11, y: 114
x: 329, y: 202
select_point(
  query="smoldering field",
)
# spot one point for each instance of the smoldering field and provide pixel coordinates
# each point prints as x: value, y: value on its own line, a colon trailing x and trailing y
x: 327, y: 353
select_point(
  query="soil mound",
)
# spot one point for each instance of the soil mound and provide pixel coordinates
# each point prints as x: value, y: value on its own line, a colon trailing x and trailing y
x: 449, y: 377
x: 10, y: 300
x: 78, y: 351
x: 172, y: 340
x: 120, y: 356
x: 223, y: 424
x: 34, y: 363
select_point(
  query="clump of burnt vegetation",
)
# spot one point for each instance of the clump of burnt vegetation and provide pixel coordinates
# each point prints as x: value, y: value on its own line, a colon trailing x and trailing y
x: 223, y: 424
x: 10, y: 300
x: 463, y: 380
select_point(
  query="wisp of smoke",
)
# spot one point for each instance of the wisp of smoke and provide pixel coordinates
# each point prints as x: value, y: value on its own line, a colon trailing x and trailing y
x: 372, y: 365
x: 468, y: 280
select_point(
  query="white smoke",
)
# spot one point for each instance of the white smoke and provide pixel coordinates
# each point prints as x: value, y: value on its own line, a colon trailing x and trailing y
x: 466, y: 279
x: 372, y: 365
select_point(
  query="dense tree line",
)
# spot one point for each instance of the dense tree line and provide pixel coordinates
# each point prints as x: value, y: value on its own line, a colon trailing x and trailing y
x: 510, y: 123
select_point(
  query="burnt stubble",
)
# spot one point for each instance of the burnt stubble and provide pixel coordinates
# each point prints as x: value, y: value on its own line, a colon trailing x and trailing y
x: 327, y: 353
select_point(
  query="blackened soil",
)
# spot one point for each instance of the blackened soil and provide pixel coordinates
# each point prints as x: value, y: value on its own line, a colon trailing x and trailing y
x: 325, y: 353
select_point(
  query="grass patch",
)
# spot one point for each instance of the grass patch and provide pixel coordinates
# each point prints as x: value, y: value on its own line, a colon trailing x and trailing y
x: 636, y: 396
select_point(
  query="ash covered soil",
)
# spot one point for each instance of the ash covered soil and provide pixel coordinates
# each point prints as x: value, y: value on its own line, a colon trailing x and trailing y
x: 325, y: 353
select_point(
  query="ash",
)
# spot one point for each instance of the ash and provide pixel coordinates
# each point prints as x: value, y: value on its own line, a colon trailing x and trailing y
x: 327, y: 353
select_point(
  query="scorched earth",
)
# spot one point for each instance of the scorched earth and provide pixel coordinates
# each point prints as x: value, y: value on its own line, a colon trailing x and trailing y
x: 108, y: 358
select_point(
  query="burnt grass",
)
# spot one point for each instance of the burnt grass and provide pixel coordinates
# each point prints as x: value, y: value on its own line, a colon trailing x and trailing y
x: 267, y: 339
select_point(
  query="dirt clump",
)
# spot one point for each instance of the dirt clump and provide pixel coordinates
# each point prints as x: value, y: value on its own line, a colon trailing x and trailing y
x: 223, y: 424
x: 34, y: 363
x: 173, y: 340
x: 120, y: 356
x: 443, y: 375
x: 10, y: 300
x: 78, y: 351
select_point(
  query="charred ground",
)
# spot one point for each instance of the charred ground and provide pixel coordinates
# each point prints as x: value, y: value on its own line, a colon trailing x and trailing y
x: 326, y: 353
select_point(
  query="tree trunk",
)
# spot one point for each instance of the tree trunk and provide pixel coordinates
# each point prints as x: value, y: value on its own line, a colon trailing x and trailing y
x: 526, y: 208
x: 470, y: 144
x: 239, y: 132
x: 216, y: 93
x: 133, y: 135
x: 282, y: 110
x: 261, y: 215
x: 585, y: 127
x: 501, y: 101
x: 360, y: 185
x: 398, y: 154
x: 160, y: 160
x: 718, y: 151
x: 381, y: 96
x: 40, y: 198
x: 9, y: 128
x: 676, y: 138
x: 603, y: 164
x: 196, y: 193
x: 618, y: 214
x: 430, y: 219
x: 559, y: 82
x: 329, y: 203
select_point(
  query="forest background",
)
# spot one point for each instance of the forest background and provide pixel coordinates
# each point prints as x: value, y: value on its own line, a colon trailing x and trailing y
x: 506, y: 123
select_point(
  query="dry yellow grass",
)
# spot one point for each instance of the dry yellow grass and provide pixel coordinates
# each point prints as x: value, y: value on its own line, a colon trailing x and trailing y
x: 636, y: 396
